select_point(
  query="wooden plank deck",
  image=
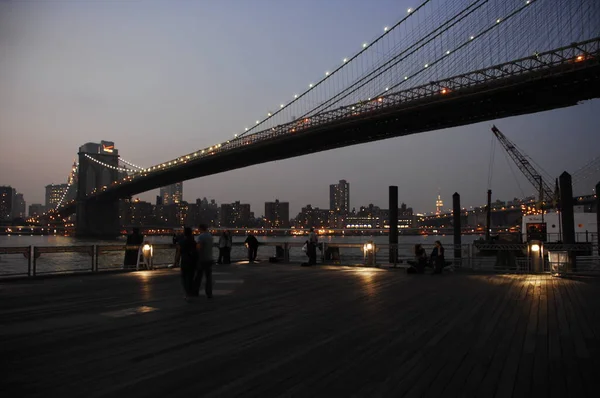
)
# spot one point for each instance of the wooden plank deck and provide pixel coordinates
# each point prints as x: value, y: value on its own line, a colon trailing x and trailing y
x: 277, y: 330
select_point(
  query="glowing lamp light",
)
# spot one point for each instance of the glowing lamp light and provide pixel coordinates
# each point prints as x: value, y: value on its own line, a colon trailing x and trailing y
x: 345, y: 60
x: 409, y: 10
x: 310, y: 85
x: 385, y: 29
x: 146, y: 248
x: 535, y: 247
x: 579, y: 58
x: 445, y: 91
x: 327, y: 73
x: 472, y: 37
x: 365, y: 45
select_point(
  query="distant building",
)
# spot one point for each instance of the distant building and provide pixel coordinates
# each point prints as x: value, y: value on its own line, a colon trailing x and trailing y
x: 142, y: 213
x: 235, y: 215
x: 312, y: 217
x: 203, y: 212
x: 7, y: 195
x: 439, y: 205
x: 339, y: 197
x: 277, y: 214
x: 172, y: 194
x: 19, y: 206
x: 36, y: 209
x: 54, y: 193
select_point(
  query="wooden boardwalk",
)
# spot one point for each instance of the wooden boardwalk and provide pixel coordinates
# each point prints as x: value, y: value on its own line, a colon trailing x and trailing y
x: 275, y: 330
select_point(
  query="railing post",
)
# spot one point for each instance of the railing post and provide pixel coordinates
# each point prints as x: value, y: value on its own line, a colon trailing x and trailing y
x: 91, y: 252
x: 286, y: 252
x: 29, y: 255
x: 34, y: 255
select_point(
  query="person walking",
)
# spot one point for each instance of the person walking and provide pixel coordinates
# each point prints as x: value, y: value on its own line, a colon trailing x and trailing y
x: 205, y: 261
x: 252, y: 245
x: 188, y: 255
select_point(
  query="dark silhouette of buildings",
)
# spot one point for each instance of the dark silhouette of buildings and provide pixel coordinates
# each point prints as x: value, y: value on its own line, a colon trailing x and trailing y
x: 277, y: 214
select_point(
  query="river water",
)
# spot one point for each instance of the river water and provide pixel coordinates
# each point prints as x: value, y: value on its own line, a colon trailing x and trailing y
x: 17, y: 264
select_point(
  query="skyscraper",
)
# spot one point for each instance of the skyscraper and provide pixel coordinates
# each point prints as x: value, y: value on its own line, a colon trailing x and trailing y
x: 339, y: 197
x: 7, y: 196
x: 172, y: 194
x: 54, y: 193
x: 277, y: 214
x: 439, y: 204
x: 19, y: 206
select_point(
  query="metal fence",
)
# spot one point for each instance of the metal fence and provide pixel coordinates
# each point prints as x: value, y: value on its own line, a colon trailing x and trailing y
x: 491, y: 257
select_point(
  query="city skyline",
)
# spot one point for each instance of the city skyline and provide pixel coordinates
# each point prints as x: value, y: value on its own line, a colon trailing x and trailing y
x: 98, y: 84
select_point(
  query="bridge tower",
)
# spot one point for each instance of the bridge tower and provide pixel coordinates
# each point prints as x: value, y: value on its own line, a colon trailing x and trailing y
x: 98, y: 168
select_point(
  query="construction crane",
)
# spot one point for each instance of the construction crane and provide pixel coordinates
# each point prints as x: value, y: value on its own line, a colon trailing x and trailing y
x: 546, y: 193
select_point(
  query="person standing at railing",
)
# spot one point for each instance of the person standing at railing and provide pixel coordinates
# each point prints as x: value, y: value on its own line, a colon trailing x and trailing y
x: 186, y: 247
x: 252, y: 245
x: 437, y: 258
x: 135, y: 239
x: 228, y: 245
x: 223, y: 245
x: 313, y: 241
x: 204, y: 246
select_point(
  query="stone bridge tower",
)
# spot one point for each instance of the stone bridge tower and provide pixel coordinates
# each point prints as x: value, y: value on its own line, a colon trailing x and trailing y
x: 98, y: 168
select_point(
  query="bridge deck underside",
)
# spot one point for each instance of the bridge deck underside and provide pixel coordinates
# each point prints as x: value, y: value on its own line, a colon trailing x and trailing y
x: 533, y: 92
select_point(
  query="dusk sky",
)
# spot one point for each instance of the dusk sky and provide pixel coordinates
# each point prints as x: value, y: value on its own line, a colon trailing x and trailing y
x: 163, y: 78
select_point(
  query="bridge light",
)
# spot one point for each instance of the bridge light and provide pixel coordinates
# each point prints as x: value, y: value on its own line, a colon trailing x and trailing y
x: 235, y: 135
x: 380, y: 99
x: 365, y: 45
x: 345, y: 60
x: 385, y: 28
x: 426, y: 65
x: 498, y: 20
x: 269, y: 114
x: 327, y: 73
x: 295, y: 95
x: 409, y: 10
x: 387, y: 88
x: 472, y: 37
x: 258, y: 121
x: 202, y: 151
x: 579, y: 58
x: 405, y: 77
x: 447, y: 52
x: 445, y: 91
x: 246, y: 129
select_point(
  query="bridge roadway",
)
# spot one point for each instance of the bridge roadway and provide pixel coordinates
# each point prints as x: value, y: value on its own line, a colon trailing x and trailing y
x: 524, y: 86
x: 282, y: 330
